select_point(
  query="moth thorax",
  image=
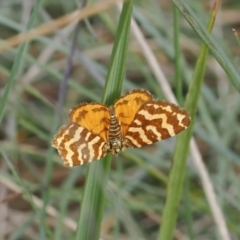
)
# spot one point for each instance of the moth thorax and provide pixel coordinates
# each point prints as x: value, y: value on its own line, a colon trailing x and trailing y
x: 114, y: 134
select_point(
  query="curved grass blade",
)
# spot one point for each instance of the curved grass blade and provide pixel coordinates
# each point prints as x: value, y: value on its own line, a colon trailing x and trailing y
x: 210, y: 41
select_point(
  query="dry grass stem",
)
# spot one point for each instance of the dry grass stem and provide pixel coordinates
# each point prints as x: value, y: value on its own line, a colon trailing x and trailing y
x: 52, y: 26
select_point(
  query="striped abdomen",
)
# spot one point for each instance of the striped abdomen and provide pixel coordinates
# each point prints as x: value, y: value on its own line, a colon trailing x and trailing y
x: 114, y: 127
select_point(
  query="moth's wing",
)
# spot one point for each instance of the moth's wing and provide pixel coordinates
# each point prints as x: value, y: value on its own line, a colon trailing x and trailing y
x: 82, y: 140
x: 155, y: 121
x: 94, y: 117
x: 76, y: 145
x: 127, y: 107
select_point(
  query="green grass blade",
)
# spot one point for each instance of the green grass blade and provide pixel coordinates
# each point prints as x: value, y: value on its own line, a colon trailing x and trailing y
x: 18, y: 60
x: 177, y: 57
x: 176, y: 178
x: 211, y: 42
x: 179, y: 94
x: 92, y: 204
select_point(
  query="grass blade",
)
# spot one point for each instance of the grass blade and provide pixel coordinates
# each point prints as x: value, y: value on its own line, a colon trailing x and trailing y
x: 211, y: 42
x: 94, y: 192
x: 17, y: 61
x: 176, y: 178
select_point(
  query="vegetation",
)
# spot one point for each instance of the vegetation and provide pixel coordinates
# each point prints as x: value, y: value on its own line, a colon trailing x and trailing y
x: 185, y: 51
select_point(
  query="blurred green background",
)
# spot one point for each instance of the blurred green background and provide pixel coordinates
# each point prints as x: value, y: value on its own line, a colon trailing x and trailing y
x: 136, y: 190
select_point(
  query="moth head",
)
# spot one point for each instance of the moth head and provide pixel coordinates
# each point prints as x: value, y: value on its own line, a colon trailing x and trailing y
x: 116, y: 146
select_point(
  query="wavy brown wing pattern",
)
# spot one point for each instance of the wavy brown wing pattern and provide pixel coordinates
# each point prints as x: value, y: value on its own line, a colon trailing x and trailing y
x: 127, y: 107
x: 83, y: 139
x: 155, y: 121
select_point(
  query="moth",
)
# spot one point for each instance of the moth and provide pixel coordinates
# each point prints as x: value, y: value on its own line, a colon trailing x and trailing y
x: 135, y: 120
